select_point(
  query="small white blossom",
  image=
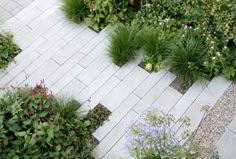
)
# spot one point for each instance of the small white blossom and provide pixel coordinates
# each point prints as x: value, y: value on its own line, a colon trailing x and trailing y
x: 148, y: 5
x: 213, y: 58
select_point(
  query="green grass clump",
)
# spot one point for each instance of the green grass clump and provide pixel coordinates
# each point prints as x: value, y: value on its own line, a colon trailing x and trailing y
x: 124, y: 44
x: 188, y: 54
x: 75, y: 10
x: 155, y: 42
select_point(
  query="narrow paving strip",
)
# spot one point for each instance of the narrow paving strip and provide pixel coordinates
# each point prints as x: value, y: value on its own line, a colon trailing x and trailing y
x: 9, y: 8
x: 227, y: 143
x: 72, y: 60
x: 215, y: 123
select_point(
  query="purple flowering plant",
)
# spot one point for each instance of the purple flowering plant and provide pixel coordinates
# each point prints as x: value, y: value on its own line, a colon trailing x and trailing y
x: 152, y: 137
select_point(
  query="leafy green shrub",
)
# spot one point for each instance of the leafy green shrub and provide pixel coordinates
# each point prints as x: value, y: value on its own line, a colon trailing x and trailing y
x: 34, y: 124
x: 124, y: 44
x: 74, y: 10
x: 97, y: 13
x: 8, y: 50
x: 152, y: 137
x: 216, y: 21
x: 188, y: 54
x: 104, y: 12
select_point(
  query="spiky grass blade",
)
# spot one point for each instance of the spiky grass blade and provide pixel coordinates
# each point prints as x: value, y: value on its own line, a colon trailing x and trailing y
x: 74, y: 10
x: 124, y: 44
x: 188, y: 53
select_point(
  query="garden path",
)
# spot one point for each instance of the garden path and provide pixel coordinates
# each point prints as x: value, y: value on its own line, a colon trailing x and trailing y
x: 72, y: 59
x: 9, y: 8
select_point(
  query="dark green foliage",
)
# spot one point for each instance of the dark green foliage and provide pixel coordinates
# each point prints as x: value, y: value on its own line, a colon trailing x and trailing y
x: 105, y: 12
x: 124, y: 44
x: 155, y: 41
x: 97, y: 13
x: 8, y: 50
x: 67, y: 108
x: 188, y: 54
x: 74, y: 10
x: 97, y: 116
x: 215, y: 21
x: 35, y: 124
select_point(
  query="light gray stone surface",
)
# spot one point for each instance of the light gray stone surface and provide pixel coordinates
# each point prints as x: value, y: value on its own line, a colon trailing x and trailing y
x: 167, y: 100
x: 115, y: 135
x: 154, y: 93
x: 232, y: 126
x: 122, y: 91
x: 226, y: 145
x: 116, y: 116
x: 9, y: 8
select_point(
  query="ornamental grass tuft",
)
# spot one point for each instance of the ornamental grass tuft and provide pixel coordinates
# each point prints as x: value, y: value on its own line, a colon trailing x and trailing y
x: 74, y: 10
x: 124, y: 44
x: 188, y: 54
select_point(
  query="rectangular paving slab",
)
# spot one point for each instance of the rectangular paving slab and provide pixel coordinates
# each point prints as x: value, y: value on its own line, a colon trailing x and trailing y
x: 122, y: 91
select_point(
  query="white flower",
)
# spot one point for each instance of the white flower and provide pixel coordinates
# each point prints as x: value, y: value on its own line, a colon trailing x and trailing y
x: 212, y: 42
x: 213, y: 58
x: 148, y: 5
x: 218, y: 53
x: 212, y: 47
x: 167, y: 20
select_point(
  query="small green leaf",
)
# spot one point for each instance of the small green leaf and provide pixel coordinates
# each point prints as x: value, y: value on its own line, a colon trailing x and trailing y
x: 32, y: 141
x: 44, y: 114
x: 27, y: 122
x: 40, y: 132
x: 22, y: 133
x: 58, y: 148
x: 50, y: 132
x: 87, y: 123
